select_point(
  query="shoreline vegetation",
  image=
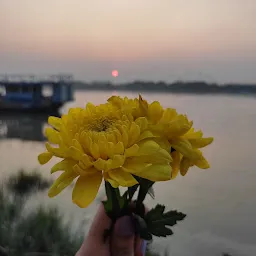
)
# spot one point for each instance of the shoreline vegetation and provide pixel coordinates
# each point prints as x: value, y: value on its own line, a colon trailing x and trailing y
x: 40, y: 232
x: 193, y: 87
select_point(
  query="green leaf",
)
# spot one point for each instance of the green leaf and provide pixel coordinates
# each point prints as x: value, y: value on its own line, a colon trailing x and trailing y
x: 141, y: 228
x: 157, y: 221
x: 145, y: 185
x: 140, y: 209
x: 132, y: 190
x: 125, y: 197
x: 163, y: 231
x: 151, y: 192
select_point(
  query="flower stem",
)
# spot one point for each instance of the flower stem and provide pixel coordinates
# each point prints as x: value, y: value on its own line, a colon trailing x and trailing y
x: 113, y: 196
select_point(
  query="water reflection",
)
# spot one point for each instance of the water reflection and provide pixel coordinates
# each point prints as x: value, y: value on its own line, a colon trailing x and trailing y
x: 28, y: 127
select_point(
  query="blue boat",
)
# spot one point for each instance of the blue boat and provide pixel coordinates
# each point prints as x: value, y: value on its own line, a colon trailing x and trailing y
x: 34, y: 94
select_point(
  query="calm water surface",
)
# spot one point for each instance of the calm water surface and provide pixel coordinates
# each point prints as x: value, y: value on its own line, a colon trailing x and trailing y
x: 219, y: 202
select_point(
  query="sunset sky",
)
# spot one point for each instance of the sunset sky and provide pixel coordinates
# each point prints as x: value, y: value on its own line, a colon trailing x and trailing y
x: 213, y: 40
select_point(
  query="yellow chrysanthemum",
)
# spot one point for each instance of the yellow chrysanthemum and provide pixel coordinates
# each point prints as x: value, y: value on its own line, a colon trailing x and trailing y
x: 173, y: 132
x: 103, y: 141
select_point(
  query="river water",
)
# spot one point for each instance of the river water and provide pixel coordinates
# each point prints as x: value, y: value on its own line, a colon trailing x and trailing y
x: 219, y: 202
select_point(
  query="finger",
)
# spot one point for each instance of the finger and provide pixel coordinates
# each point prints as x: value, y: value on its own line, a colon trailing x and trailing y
x: 140, y: 244
x: 122, y: 241
x: 94, y: 241
x: 140, y: 247
x: 100, y: 223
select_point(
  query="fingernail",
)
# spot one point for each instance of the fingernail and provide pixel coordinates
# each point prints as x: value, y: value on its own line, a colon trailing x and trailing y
x: 125, y: 226
x: 143, y: 247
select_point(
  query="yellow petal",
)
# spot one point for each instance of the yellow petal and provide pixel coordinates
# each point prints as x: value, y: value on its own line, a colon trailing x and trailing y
x: 184, y: 166
x: 156, y: 172
x: 202, y: 163
x: 200, y: 142
x: 103, y: 149
x: 179, y: 126
x: 142, y: 122
x: 66, y: 138
x: 45, y: 157
x: 111, y: 138
x: 146, y: 135
x: 185, y: 148
x: 95, y: 151
x: 86, y: 189
x: 163, y: 143
x: 168, y: 115
x: 117, y: 161
x: 132, y: 151
x: 77, y: 145
x: 59, y: 152
x: 52, y: 135
x: 125, y: 137
x: 191, y: 134
x: 148, y: 159
x: 175, y: 164
x: 55, y: 122
x: 143, y: 104
x: 118, y: 135
x: 110, y: 149
x: 119, y: 148
x: 155, y: 111
x: 134, y: 166
x: 80, y: 171
x: 147, y: 148
x: 90, y: 106
x: 113, y: 183
x: 75, y: 153
x: 64, y: 180
x: 152, y: 148
x: 163, y: 154
x: 86, y: 141
x: 64, y: 165
x: 133, y: 134
x: 100, y: 164
x: 123, y: 178
x: 86, y: 160
x: 115, y: 100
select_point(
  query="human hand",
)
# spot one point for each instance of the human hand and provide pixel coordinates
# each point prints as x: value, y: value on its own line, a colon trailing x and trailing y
x: 123, y: 241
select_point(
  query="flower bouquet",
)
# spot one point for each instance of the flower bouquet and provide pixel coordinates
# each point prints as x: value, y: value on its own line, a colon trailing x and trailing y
x: 126, y: 143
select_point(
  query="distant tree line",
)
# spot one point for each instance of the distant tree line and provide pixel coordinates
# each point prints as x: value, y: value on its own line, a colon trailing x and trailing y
x: 197, y: 87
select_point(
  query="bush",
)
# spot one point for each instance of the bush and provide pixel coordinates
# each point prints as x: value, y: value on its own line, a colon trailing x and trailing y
x: 45, y: 232
x: 42, y: 230
x: 24, y: 183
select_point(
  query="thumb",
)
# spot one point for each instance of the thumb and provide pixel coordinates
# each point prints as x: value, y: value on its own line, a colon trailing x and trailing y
x: 122, y: 241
